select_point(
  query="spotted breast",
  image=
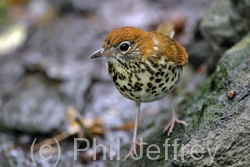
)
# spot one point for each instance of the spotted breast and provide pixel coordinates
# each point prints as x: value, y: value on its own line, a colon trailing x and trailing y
x: 144, y: 81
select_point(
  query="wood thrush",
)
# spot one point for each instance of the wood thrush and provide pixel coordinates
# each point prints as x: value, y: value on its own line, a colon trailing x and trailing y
x: 145, y: 67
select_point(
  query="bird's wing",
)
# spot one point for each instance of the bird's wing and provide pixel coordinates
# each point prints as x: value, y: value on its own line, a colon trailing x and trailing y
x: 170, y: 49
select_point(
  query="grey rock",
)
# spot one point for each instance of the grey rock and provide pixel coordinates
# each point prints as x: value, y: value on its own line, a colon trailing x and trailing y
x: 242, y: 7
x: 86, y: 5
x: 199, y: 52
x: 62, y: 49
x: 11, y: 70
x: 222, y: 26
x: 34, y: 105
x: 39, y: 104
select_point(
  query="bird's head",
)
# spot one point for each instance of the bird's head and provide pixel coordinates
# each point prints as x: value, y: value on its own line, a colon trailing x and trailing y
x: 126, y: 44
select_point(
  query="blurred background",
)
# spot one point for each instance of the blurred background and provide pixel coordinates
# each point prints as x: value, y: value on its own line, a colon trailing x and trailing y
x: 50, y: 88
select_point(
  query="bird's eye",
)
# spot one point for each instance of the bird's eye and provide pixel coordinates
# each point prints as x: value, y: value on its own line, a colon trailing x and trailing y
x: 125, y: 46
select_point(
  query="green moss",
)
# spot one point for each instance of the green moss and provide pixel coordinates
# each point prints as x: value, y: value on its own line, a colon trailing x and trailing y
x: 244, y: 43
x: 151, y: 124
x: 237, y: 54
x: 3, y: 13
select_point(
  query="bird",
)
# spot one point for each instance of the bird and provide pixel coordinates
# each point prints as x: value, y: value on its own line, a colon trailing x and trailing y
x: 145, y: 67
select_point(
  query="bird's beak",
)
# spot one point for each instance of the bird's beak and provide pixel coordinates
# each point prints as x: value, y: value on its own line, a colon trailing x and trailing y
x: 102, y: 53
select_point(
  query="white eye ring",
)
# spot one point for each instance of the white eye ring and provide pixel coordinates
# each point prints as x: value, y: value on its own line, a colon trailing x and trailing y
x: 124, y: 46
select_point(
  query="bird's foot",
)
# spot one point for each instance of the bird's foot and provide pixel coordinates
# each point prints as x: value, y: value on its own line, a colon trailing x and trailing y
x: 133, y: 149
x: 171, y: 123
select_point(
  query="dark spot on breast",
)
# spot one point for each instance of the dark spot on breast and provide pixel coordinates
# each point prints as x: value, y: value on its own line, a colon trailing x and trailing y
x: 161, y: 85
x: 125, y: 88
x: 166, y: 91
x: 110, y: 66
x: 138, y: 78
x: 117, y: 84
x: 115, y: 77
x: 169, y: 68
x: 173, y: 70
x: 148, y: 68
x: 175, y: 74
x: 173, y: 78
x: 137, y: 97
x: 147, y: 90
x: 151, y: 78
x: 122, y: 63
x: 171, y: 87
x: 167, y: 79
x: 155, y: 65
x: 138, y: 65
x: 149, y: 84
x: 162, y: 73
x: 153, y: 92
x: 157, y: 74
x: 129, y: 84
x: 130, y: 78
x: 121, y: 77
x: 110, y: 71
x: 166, y: 75
x: 164, y: 88
x: 137, y: 86
x: 158, y: 80
x: 163, y: 65
x: 154, y: 87
x: 121, y: 89
x: 156, y: 94
x: 131, y: 94
x: 143, y: 70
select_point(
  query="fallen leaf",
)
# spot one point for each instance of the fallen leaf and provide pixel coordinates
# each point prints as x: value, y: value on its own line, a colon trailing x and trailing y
x: 127, y: 126
x: 12, y: 37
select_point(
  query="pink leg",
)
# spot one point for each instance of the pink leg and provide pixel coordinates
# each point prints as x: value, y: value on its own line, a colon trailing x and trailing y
x: 173, y: 118
x: 135, y: 142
